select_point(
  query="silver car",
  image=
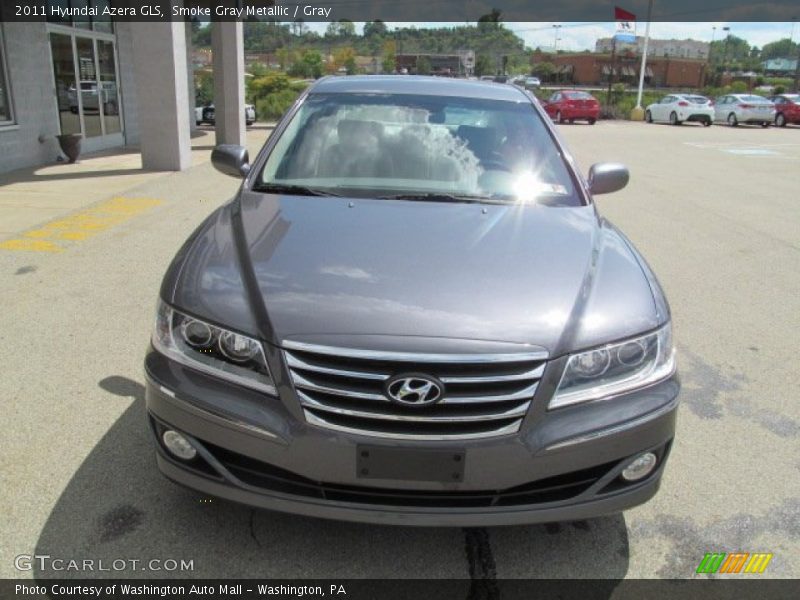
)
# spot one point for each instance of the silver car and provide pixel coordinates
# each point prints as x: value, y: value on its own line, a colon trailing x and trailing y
x: 744, y: 108
x: 412, y: 313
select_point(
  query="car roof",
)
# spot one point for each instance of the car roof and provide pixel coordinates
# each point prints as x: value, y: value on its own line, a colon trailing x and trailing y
x: 418, y: 84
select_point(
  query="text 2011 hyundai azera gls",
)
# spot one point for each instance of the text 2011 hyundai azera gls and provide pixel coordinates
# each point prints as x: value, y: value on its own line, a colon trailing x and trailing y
x: 411, y: 313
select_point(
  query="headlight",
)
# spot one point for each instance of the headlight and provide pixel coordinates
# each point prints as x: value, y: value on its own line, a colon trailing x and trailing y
x: 616, y: 368
x: 219, y: 352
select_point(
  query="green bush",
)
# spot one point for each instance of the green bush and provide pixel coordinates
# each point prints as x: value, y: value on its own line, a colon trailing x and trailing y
x: 274, y: 105
x: 738, y: 87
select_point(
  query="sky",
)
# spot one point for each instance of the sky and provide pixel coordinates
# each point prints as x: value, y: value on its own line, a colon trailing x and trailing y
x: 582, y: 36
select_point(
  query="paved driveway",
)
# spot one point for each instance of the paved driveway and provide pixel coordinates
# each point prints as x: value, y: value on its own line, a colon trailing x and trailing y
x: 715, y: 211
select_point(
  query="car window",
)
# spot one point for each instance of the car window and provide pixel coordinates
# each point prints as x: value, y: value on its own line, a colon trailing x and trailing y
x: 578, y: 95
x: 379, y: 145
x: 667, y: 100
x: 697, y: 99
x: 753, y: 98
x: 555, y: 97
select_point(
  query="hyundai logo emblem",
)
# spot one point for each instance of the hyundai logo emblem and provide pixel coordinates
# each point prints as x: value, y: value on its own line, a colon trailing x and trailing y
x: 414, y: 389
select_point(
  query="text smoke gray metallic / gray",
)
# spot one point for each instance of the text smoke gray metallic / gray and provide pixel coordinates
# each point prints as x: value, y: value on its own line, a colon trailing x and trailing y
x: 412, y: 313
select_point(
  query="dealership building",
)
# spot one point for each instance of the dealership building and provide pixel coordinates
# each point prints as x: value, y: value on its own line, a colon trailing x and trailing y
x: 114, y: 83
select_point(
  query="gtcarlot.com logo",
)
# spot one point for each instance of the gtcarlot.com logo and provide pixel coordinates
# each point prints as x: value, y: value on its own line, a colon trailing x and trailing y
x: 734, y: 563
x: 45, y: 562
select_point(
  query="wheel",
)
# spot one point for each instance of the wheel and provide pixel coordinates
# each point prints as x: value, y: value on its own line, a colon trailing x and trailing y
x: 673, y: 119
x: 648, y: 117
x: 780, y: 120
x: 592, y: 121
x: 732, y: 120
x: 559, y: 118
x: 765, y: 124
x: 706, y: 122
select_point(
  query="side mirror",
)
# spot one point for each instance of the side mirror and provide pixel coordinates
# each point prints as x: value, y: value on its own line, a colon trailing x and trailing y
x: 605, y: 178
x: 231, y: 159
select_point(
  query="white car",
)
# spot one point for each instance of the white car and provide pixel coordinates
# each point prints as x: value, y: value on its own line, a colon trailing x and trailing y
x: 677, y: 108
x: 744, y: 108
x: 205, y: 114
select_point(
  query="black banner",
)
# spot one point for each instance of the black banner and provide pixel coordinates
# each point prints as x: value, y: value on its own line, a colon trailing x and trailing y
x: 397, y: 10
x: 750, y: 586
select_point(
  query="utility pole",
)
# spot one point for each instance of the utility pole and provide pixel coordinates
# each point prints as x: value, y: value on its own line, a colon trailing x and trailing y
x: 643, y: 66
x: 612, y: 70
x: 555, y: 38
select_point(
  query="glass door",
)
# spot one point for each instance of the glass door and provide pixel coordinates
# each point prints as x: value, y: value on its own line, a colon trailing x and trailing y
x: 66, y: 88
x: 87, y: 89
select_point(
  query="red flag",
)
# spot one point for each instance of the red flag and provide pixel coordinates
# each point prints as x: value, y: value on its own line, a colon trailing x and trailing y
x: 620, y: 14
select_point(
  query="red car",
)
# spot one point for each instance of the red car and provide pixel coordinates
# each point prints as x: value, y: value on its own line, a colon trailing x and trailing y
x: 787, y: 108
x: 570, y: 105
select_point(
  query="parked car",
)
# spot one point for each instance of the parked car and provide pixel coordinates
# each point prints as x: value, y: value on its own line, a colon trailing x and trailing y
x: 744, y: 108
x: 91, y: 100
x: 787, y: 108
x: 206, y: 114
x: 531, y: 83
x: 677, y: 108
x: 573, y: 105
x: 412, y: 313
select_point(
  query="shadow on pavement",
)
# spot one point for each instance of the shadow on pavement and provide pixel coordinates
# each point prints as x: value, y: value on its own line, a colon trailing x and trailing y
x: 117, y: 506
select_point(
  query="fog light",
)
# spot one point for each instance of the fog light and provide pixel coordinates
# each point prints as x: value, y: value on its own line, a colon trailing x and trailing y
x: 640, y: 467
x: 178, y: 445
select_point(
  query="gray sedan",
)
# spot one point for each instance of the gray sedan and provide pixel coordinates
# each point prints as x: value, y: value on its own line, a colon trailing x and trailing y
x: 412, y: 313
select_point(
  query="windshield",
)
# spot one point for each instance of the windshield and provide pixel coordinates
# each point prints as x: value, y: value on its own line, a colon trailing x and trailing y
x: 697, y: 99
x: 753, y: 99
x: 579, y: 96
x: 408, y: 146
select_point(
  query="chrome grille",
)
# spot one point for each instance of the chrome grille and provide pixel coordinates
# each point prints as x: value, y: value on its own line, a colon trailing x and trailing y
x: 344, y: 389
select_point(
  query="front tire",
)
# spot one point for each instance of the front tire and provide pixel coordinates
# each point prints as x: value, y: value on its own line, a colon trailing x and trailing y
x: 673, y: 119
x: 780, y: 120
x: 732, y: 120
x: 648, y: 117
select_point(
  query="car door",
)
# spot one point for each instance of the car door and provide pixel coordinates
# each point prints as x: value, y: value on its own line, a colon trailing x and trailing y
x: 663, y: 108
x: 721, y: 108
x: 553, y: 104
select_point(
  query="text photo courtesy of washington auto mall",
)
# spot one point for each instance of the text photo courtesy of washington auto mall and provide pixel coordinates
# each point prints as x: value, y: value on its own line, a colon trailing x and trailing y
x: 399, y: 300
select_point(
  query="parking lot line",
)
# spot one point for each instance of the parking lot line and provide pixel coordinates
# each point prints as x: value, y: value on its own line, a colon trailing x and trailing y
x: 81, y: 225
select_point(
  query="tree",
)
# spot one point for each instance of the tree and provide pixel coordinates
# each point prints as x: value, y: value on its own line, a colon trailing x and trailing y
x: 373, y: 28
x: 424, y: 66
x: 309, y: 65
x: 340, y: 29
x: 345, y: 57
x: 784, y: 48
x: 388, y: 65
x: 483, y: 65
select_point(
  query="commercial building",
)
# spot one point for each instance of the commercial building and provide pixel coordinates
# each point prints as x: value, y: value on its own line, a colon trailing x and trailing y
x: 664, y: 48
x: 114, y: 83
x: 596, y: 69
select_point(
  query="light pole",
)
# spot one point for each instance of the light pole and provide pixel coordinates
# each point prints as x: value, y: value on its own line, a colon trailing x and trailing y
x: 555, y: 38
x: 725, y: 53
x: 711, y: 45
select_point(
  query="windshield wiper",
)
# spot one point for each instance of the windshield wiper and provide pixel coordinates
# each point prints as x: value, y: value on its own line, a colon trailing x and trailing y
x: 293, y: 190
x: 442, y: 197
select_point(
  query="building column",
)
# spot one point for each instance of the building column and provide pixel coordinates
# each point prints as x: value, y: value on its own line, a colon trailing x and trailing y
x: 159, y: 57
x: 190, y: 79
x: 227, y: 45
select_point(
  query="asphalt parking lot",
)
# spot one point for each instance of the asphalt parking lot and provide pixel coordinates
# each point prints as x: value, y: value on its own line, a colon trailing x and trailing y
x: 714, y: 210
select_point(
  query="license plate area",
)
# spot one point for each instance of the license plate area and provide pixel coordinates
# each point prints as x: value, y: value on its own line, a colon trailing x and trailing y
x: 409, y: 464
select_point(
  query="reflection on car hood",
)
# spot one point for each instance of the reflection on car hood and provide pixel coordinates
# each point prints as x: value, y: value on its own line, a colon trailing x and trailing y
x: 329, y: 267
x: 417, y: 276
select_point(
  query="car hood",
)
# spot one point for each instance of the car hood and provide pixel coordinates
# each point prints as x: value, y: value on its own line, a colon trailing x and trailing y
x: 414, y: 275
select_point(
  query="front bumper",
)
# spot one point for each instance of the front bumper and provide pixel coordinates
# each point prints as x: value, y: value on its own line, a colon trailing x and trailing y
x: 562, y: 465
